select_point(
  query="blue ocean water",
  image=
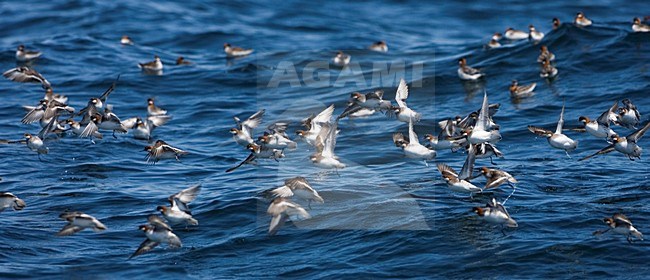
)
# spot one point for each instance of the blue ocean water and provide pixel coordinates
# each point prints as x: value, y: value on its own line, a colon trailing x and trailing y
x: 384, y: 216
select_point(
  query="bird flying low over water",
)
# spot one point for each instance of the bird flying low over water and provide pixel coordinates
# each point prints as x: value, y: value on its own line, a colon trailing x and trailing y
x: 412, y: 147
x: 402, y: 111
x: 243, y: 133
x: 157, y: 232
x: 483, y: 132
x: 298, y: 187
x: 460, y: 182
x: 78, y: 221
x: 324, y: 156
x: 282, y: 209
x: 258, y: 151
x: 24, y: 74
x: 556, y: 139
x: 36, y: 142
x: 625, y: 145
x: 620, y: 224
x: 315, y: 125
x: 599, y: 127
x: 162, y: 150
x: 179, y: 211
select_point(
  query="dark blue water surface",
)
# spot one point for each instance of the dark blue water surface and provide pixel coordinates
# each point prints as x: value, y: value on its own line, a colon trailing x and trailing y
x: 374, y: 222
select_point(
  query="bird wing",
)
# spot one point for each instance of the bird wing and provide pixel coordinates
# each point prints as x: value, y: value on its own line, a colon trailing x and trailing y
x: 351, y: 109
x: 47, y: 129
x: 399, y: 137
x: 293, y: 209
x: 130, y: 122
x: 446, y: 170
x: 602, y: 151
x: 468, y: 166
x: 146, y: 246
x: 324, y: 116
x: 158, y: 222
x: 182, y: 198
x: 412, y: 136
x: 330, y: 141
x: 157, y: 121
x: 69, y: 230
x: 482, y: 122
x: 622, y: 219
x: 250, y: 158
x: 189, y: 194
x: 169, y: 148
x: 297, y: 183
x: 447, y: 130
x: 603, y: 119
x: 276, y: 222
x: 90, y: 129
x: 284, y: 191
x: 322, y: 136
x: 278, y: 127
x: 560, y: 122
x: 635, y: 136
x: 108, y: 91
x: 252, y: 122
x: 502, y: 208
x: 34, y: 115
x: 495, y: 181
x: 67, y: 215
x: 26, y: 75
x: 539, y: 131
x: 402, y: 93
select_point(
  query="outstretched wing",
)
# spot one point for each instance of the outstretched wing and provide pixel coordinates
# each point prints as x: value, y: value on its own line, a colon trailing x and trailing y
x: 638, y: 134
x: 446, y: 170
x: 603, y: 119
x: 402, y: 93
x: 622, y: 219
x: 468, y: 166
x: 482, y: 122
x: 48, y: 128
x: 412, y: 136
x: 495, y: 181
x: 540, y: 131
x: 108, y: 91
x: 35, y: 114
x: 250, y: 158
x: 447, y: 130
x: 323, y: 116
x: 603, y: 151
x: 560, y: 122
x: 146, y: 246
x: 297, y: 183
x: 182, y: 198
x: 330, y: 142
x: 158, y: 222
x: 252, y: 122
x: 69, y: 230
x: 351, y: 109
